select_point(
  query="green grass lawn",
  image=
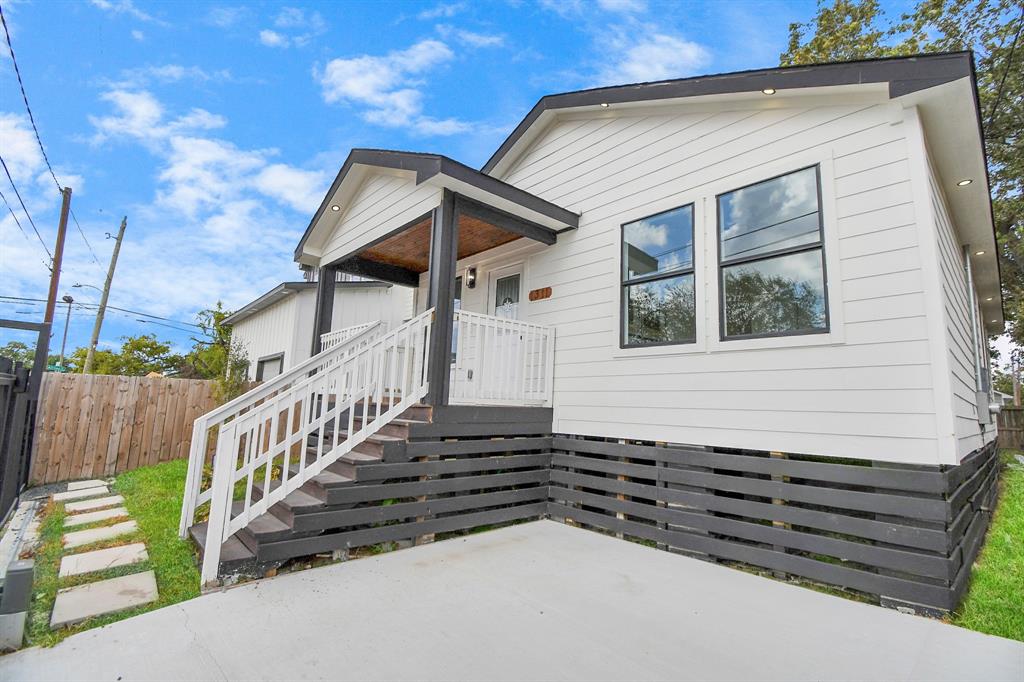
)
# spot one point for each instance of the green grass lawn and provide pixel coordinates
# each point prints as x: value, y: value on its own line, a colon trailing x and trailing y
x: 153, y: 498
x: 995, y: 601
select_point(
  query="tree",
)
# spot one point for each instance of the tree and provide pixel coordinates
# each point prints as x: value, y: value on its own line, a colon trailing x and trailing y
x: 848, y: 29
x: 216, y: 356
x: 138, y: 356
x: 17, y: 351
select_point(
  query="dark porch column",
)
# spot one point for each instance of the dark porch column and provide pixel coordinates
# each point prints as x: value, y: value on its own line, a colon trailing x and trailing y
x: 324, y: 305
x: 444, y: 238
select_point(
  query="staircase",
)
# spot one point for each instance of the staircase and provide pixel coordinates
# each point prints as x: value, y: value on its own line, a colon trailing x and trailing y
x: 306, y: 512
x: 281, y: 449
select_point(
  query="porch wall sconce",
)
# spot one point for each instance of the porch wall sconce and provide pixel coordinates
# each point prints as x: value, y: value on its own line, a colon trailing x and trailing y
x: 471, y: 278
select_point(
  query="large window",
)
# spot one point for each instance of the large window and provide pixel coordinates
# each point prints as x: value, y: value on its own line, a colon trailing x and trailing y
x: 657, y: 279
x: 771, y: 258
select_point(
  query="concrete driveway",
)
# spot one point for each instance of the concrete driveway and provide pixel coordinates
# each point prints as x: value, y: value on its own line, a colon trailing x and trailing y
x: 529, y: 602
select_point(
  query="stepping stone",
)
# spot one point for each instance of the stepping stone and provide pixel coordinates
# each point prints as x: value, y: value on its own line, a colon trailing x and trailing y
x: 87, y: 537
x: 89, y: 505
x: 79, y: 494
x: 100, y: 559
x: 82, y: 485
x: 93, y: 517
x: 75, y: 604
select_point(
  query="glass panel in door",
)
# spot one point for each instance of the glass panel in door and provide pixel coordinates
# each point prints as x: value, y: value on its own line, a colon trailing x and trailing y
x: 506, y: 297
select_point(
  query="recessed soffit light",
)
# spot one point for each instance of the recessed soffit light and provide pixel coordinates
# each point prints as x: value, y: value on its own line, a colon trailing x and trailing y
x: 335, y: 207
x: 604, y: 104
x: 769, y: 91
x: 979, y: 253
x: 964, y: 182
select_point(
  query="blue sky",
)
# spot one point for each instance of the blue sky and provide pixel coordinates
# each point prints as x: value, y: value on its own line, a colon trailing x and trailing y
x: 216, y: 128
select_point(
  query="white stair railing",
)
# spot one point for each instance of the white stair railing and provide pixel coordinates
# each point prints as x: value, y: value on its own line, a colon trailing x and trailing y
x: 333, y: 338
x: 354, y: 390
x: 501, y: 361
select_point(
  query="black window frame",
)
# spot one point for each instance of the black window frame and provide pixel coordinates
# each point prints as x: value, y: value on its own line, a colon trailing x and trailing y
x: 819, y: 245
x: 625, y: 283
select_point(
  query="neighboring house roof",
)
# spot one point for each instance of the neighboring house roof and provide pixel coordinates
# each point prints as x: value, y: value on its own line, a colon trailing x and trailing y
x: 283, y: 291
x: 450, y: 174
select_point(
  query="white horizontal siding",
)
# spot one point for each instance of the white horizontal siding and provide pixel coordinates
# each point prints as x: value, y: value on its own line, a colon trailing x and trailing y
x: 957, y: 302
x: 383, y: 203
x: 870, y: 396
x: 268, y: 332
x: 390, y: 305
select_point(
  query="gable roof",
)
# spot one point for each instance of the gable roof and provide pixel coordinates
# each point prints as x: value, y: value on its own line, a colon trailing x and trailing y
x: 448, y: 173
x: 904, y: 75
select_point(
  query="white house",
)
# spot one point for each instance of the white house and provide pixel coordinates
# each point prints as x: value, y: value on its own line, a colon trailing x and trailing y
x: 275, y: 331
x: 741, y: 315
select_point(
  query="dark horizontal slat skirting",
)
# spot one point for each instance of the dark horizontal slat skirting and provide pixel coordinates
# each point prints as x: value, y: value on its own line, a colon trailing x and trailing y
x: 905, y: 535
x: 812, y: 569
x: 325, y: 520
x: 356, y: 538
x: 899, y: 479
x: 473, y: 447
x: 909, y: 536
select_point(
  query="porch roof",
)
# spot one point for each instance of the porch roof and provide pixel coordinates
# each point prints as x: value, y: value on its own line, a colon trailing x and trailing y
x: 444, y: 173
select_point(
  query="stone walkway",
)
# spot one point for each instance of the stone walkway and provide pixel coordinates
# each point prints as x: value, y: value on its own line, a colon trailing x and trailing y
x: 93, y: 516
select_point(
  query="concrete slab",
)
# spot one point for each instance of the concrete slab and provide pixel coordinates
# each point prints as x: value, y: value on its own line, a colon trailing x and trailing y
x: 79, y: 538
x: 89, y: 505
x: 101, y: 559
x: 82, y: 485
x: 529, y: 602
x: 75, y: 604
x: 92, y: 517
x: 80, y: 494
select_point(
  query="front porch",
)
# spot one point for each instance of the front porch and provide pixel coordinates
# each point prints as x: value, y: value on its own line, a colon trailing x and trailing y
x: 483, y: 350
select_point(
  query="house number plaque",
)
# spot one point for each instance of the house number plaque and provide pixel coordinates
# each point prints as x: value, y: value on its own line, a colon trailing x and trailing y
x: 540, y: 294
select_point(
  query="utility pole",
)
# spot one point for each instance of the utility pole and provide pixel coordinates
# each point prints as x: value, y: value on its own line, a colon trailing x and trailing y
x: 103, y: 299
x: 67, y: 323
x: 58, y: 256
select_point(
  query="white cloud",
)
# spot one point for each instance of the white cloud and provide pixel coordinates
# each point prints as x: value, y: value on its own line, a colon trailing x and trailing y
x: 126, y: 7
x: 470, y: 38
x: 296, y: 28
x: 300, y: 189
x: 141, y: 116
x: 651, y: 56
x: 626, y: 6
x: 225, y: 17
x: 444, y: 9
x: 167, y: 73
x: 138, y: 35
x: 388, y: 86
x: 20, y: 151
x: 273, y: 38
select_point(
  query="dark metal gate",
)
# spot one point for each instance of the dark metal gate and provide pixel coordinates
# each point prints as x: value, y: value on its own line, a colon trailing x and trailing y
x: 19, y: 397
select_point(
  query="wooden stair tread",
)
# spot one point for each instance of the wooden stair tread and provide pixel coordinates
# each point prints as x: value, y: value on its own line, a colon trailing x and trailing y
x: 232, y: 551
x: 296, y: 499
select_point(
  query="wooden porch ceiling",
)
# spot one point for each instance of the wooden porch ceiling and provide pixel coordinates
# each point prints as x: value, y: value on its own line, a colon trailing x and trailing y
x: 410, y: 249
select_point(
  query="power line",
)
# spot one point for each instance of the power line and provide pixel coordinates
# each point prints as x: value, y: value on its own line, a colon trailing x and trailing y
x: 1006, y: 72
x: 96, y: 305
x: 35, y: 129
x: 25, y: 208
x: 18, y: 223
x: 87, y: 244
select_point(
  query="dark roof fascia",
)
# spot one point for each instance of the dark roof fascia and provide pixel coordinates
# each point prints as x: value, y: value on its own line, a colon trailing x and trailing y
x: 427, y: 166
x: 903, y: 74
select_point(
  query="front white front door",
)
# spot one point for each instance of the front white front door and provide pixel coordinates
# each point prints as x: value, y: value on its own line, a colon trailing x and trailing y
x: 505, y: 291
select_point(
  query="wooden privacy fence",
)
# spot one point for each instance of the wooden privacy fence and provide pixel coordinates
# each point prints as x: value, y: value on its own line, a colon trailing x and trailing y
x: 93, y: 425
x: 1011, y: 427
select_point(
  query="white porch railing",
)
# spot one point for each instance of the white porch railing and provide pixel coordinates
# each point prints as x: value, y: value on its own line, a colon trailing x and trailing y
x: 501, y: 361
x: 333, y: 338
x: 346, y: 393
